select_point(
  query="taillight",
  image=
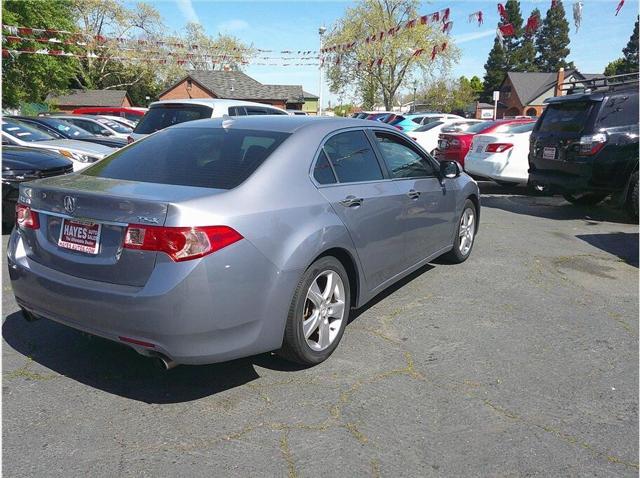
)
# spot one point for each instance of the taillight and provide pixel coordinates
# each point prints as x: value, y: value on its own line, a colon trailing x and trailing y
x: 591, y: 144
x: 453, y: 143
x: 180, y: 243
x: 130, y: 140
x: 498, y: 147
x: 26, y: 218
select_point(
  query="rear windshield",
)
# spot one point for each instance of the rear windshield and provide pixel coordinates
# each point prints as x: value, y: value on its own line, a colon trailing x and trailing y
x: 567, y: 117
x: 522, y: 128
x: 114, y: 125
x: 428, y: 126
x: 480, y: 126
x: 202, y: 157
x: 163, y: 116
x: 396, y: 120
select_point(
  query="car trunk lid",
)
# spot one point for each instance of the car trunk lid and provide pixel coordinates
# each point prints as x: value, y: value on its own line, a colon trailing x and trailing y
x: 95, y: 213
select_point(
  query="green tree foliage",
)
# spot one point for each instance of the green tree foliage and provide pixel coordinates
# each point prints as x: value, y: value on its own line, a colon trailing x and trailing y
x: 448, y: 96
x: 629, y: 61
x: 398, y: 62
x: 552, y: 40
x: 494, y: 70
x: 527, y: 53
x: 29, y: 78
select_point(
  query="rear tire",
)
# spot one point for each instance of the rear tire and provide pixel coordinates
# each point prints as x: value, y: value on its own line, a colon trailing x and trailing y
x: 631, y: 204
x: 465, y: 234
x: 318, y: 313
x: 585, y: 199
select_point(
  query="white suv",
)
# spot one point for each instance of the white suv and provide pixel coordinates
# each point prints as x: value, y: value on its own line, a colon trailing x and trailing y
x: 163, y: 114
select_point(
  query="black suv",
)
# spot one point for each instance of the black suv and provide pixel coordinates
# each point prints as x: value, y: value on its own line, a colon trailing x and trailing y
x: 585, y: 144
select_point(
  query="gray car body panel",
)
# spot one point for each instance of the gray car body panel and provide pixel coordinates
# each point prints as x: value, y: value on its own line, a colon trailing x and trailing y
x: 234, y: 302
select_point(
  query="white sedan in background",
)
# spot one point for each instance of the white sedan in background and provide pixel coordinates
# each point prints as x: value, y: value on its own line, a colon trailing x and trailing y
x: 427, y: 135
x: 502, y: 157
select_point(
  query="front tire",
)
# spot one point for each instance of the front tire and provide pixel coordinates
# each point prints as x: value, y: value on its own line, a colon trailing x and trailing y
x: 465, y: 234
x: 585, y: 199
x: 318, y: 313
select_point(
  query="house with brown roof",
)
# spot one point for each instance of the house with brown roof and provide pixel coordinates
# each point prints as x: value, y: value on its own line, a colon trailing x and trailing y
x: 85, y: 98
x: 236, y: 85
x: 523, y: 93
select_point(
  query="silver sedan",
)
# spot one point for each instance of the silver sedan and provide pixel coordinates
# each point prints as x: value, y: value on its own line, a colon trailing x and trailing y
x: 223, y: 238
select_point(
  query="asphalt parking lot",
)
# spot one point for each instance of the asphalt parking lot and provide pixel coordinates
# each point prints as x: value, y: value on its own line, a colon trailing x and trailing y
x: 523, y: 361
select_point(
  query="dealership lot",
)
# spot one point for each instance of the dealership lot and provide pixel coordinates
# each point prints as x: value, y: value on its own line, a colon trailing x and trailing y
x: 521, y: 361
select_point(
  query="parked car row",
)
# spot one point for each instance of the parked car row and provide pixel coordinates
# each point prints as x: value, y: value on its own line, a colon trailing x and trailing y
x: 406, y: 122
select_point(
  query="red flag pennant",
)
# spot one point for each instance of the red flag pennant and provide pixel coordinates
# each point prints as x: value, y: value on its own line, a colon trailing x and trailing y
x: 435, y: 17
x: 418, y: 52
x: 620, y: 5
x: 12, y: 39
x: 5, y: 53
x: 379, y: 61
x: 446, y: 27
x: 532, y: 24
x: 411, y: 23
x: 445, y: 14
x: 507, y: 30
x: 443, y: 47
x: 434, y: 52
x: 424, y: 19
x: 504, y: 16
x: 25, y: 31
x: 554, y: 3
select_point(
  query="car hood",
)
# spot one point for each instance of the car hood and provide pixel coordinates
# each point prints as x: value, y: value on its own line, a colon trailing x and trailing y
x: 32, y: 159
x: 75, y: 145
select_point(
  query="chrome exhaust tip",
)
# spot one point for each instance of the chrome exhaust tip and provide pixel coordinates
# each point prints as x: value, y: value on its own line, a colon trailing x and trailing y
x: 165, y: 362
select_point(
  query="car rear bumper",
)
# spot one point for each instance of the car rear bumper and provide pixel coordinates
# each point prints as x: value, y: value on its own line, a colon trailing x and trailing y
x: 230, y: 304
x: 495, y: 167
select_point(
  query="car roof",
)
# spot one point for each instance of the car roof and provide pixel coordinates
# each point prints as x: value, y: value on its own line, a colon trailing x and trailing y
x: 87, y: 117
x: 212, y: 102
x: 284, y: 124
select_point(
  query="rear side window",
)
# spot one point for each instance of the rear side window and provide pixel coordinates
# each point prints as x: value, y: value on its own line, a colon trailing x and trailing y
x: 418, y: 119
x: 619, y: 111
x: 322, y: 171
x: 237, y: 111
x: 90, y: 126
x: 352, y: 158
x: 567, y: 117
x: 163, y: 116
x: 215, y: 157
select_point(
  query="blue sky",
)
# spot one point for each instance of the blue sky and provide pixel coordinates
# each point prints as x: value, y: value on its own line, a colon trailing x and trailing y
x: 293, y: 25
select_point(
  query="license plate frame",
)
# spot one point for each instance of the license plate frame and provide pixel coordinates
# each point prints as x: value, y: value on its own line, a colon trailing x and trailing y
x: 549, y: 152
x: 73, y: 240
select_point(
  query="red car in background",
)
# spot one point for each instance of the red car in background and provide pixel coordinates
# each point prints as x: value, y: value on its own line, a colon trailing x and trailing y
x: 455, y: 146
x: 132, y: 113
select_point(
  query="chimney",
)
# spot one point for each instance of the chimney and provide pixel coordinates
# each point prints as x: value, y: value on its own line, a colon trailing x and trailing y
x: 559, y: 80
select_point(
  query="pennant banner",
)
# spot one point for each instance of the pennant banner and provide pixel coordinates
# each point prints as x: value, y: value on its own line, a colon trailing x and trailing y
x: 577, y: 14
x: 476, y: 17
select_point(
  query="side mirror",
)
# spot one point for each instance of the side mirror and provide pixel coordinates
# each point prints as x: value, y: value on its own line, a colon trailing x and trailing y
x: 450, y: 169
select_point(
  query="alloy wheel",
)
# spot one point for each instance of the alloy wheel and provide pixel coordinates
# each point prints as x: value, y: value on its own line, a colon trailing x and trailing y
x: 467, y: 231
x: 324, y: 310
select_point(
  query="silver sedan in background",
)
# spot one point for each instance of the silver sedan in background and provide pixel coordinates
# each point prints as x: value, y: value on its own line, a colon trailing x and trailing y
x: 222, y: 238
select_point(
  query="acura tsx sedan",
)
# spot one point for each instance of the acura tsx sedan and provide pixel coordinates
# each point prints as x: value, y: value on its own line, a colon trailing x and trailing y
x: 222, y: 238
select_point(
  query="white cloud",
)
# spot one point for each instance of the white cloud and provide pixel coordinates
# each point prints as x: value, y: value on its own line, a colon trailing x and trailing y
x: 467, y: 37
x: 233, y: 26
x: 187, y: 10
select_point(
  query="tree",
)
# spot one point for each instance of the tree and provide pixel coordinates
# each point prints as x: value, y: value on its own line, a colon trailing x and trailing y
x: 29, y: 78
x: 527, y: 53
x: 513, y: 44
x: 476, y: 85
x: 352, y: 67
x: 552, y: 40
x: 447, y: 95
x: 494, y: 70
x: 629, y: 61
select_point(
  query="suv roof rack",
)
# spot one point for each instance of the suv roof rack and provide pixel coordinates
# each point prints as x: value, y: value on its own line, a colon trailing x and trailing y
x: 603, y: 83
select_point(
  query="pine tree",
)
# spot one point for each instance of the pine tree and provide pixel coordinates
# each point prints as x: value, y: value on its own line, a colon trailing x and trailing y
x: 527, y: 53
x: 629, y: 62
x: 552, y: 40
x: 512, y: 44
x: 495, y: 69
x: 630, y: 52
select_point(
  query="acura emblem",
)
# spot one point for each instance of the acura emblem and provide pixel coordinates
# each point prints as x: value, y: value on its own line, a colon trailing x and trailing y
x: 69, y: 204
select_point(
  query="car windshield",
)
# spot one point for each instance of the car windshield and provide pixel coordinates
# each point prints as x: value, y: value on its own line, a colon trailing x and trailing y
x: 67, y: 129
x: 119, y: 128
x: 428, y: 126
x: 23, y: 132
x: 201, y: 157
x: 397, y: 120
x: 522, y: 128
x: 163, y: 116
x: 567, y: 117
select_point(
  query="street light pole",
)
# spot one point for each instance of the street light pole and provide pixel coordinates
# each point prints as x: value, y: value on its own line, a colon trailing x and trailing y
x: 415, y: 87
x: 321, y: 31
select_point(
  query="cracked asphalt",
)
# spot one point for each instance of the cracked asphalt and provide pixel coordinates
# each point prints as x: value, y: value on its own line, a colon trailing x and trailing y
x: 523, y: 361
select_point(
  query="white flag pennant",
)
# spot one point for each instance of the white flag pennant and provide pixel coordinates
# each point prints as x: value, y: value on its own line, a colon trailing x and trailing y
x: 577, y: 14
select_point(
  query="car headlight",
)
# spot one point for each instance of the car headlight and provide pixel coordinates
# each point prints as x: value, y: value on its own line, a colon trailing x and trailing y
x: 83, y: 158
x: 19, y: 175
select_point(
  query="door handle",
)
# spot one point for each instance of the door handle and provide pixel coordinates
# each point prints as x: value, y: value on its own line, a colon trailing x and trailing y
x: 413, y: 194
x: 351, y: 201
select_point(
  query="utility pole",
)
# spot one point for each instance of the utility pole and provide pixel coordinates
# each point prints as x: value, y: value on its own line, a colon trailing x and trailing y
x: 321, y: 31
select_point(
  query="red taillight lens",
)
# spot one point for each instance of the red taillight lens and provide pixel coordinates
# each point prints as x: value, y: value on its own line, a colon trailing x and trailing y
x: 130, y: 140
x: 592, y: 144
x: 498, y: 147
x: 26, y: 218
x: 180, y: 243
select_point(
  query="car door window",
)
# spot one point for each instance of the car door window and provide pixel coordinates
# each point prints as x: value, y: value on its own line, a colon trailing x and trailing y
x: 273, y: 111
x: 90, y: 126
x: 401, y: 159
x: 352, y: 157
x: 237, y: 111
x: 322, y: 171
x: 255, y: 110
